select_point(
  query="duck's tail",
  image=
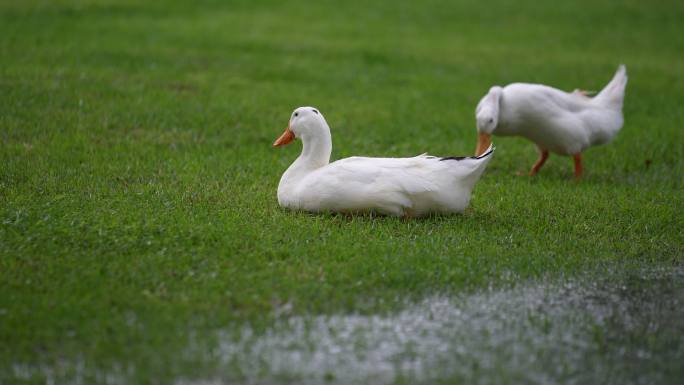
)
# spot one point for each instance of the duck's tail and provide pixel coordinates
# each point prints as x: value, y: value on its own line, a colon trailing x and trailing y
x: 473, y: 166
x: 482, y: 162
x: 613, y: 94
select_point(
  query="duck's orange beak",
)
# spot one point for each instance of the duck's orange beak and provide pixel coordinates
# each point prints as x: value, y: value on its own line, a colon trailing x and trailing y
x: 287, y: 137
x: 483, y: 143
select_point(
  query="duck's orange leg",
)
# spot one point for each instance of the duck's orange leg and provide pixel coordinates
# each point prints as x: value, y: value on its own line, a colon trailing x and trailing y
x: 543, y: 155
x: 578, y: 165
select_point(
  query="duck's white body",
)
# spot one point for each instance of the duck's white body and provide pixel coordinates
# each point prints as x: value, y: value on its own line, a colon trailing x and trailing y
x: 394, y: 186
x: 562, y: 122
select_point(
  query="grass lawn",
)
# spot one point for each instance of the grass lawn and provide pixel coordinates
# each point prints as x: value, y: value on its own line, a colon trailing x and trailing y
x: 138, y: 184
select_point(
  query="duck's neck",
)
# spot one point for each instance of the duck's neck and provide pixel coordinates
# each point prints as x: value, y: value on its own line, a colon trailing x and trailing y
x: 316, y: 151
x: 315, y: 154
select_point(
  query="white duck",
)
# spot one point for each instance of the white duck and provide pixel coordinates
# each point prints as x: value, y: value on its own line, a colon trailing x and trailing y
x: 409, y: 187
x: 558, y: 121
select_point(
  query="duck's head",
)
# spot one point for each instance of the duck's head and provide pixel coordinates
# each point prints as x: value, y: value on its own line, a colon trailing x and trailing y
x: 304, y: 122
x: 487, y: 116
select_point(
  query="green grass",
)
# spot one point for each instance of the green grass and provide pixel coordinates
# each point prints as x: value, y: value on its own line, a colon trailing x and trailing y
x: 137, y: 181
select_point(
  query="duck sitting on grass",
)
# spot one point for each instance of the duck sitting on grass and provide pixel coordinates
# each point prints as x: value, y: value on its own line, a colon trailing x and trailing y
x: 406, y: 187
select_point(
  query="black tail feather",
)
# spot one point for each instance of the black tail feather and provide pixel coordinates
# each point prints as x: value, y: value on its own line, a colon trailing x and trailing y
x: 486, y: 154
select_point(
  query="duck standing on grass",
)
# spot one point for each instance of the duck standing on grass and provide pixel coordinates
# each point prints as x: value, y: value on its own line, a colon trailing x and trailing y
x: 566, y: 123
x: 408, y: 187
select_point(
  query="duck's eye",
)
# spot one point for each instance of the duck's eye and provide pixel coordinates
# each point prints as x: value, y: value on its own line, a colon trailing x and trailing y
x: 314, y: 110
x: 491, y: 120
x: 296, y: 114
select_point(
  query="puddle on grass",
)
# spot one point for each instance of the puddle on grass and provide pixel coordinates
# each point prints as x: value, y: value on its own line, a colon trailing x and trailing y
x: 626, y: 330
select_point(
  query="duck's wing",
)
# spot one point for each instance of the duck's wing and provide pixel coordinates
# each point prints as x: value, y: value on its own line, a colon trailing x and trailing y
x: 537, y: 101
x: 564, y: 101
x: 410, y: 175
x: 360, y: 183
